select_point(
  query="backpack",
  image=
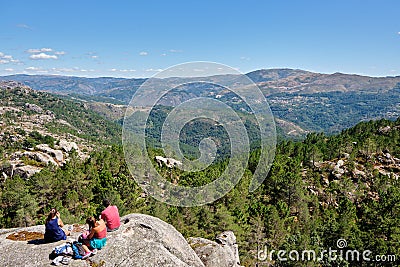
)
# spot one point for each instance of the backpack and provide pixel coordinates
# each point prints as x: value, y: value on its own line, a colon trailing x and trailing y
x: 61, y: 250
x: 78, y: 250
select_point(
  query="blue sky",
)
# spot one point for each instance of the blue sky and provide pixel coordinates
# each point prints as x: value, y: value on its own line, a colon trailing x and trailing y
x: 139, y: 38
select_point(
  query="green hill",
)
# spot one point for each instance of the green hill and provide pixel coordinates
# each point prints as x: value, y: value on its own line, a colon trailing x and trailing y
x: 39, y: 129
x: 54, y: 113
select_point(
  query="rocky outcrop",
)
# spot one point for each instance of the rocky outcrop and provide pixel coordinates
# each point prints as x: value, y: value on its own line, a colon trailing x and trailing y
x: 14, y: 85
x: 169, y: 162
x: 37, y: 156
x: 68, y: 146
x: 338, y: 169
x: 33, y: 107
x: 57, y: 154
x: 359, y: 168
x: 17, y: 164
x: 30, y: 131
x: 222, y: 253
x: 147, y: 241
x: 384, y: 130
x: 42, y: 155
x: 26, y: 171
x: 142, y: 240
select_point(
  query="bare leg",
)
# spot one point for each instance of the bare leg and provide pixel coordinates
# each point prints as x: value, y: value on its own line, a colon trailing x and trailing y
x: 86, y: 245
x: 86, y: 248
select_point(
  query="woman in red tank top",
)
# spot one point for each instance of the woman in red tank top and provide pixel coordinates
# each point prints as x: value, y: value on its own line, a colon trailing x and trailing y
x: 96, y: 238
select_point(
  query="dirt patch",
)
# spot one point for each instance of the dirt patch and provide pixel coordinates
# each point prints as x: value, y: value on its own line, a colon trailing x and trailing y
x: 25, y: 236
x: 78, y: 228
x: 28, y: 236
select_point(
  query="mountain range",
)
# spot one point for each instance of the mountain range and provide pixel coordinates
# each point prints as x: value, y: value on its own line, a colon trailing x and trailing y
x: 306, y: 101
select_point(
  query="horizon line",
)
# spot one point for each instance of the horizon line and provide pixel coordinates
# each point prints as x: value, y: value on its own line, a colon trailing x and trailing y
x: 245, y: 73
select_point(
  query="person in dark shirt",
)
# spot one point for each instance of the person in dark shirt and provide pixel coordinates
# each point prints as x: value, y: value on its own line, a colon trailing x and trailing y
x: 53, y: 226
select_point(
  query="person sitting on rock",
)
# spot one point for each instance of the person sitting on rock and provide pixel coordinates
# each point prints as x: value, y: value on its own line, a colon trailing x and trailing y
x: 54, y: 224
x: 96, y: 238
x: 111, y: 216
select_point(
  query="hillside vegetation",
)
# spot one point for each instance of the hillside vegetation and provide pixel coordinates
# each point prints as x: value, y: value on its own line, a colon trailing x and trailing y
x: 20, y: 105
x: 38, y: 129
x: 318, y: 190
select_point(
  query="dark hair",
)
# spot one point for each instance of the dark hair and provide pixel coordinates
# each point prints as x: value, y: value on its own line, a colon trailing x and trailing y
x: 106, y: 203
x: 51, y: 215
x: 91, y: 221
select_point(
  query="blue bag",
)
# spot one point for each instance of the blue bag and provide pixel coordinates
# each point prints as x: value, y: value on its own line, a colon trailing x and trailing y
x: 78, y: 250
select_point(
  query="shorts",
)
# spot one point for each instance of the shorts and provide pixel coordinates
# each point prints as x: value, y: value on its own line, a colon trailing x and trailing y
x: 98, y: 243
x: 112, y: 230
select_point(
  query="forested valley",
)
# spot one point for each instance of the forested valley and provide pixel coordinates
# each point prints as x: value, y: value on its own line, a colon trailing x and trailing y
x: 318, y: 190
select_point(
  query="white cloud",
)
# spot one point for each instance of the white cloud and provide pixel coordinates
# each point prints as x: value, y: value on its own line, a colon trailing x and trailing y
x: 34, y: 51
x: 5, y: 59
x: 69, y: 70
x: 24, y: 26
x: 245, y: 58
x: 122, y: 70
x: 46, y: 50
x: 175, y: 51
x: 57, y: 71
x: 36, y: 70
x: 154, y: 70
x: 44, y: 53
x: 143, y: 53
x: 32, y: 69
x: 398, y: 33
x: 43, y: 56
x: 9, y: 70
x: 62, y: 69
x: 85, y: 70
x: 92, y: 55
x: 172, y: 51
